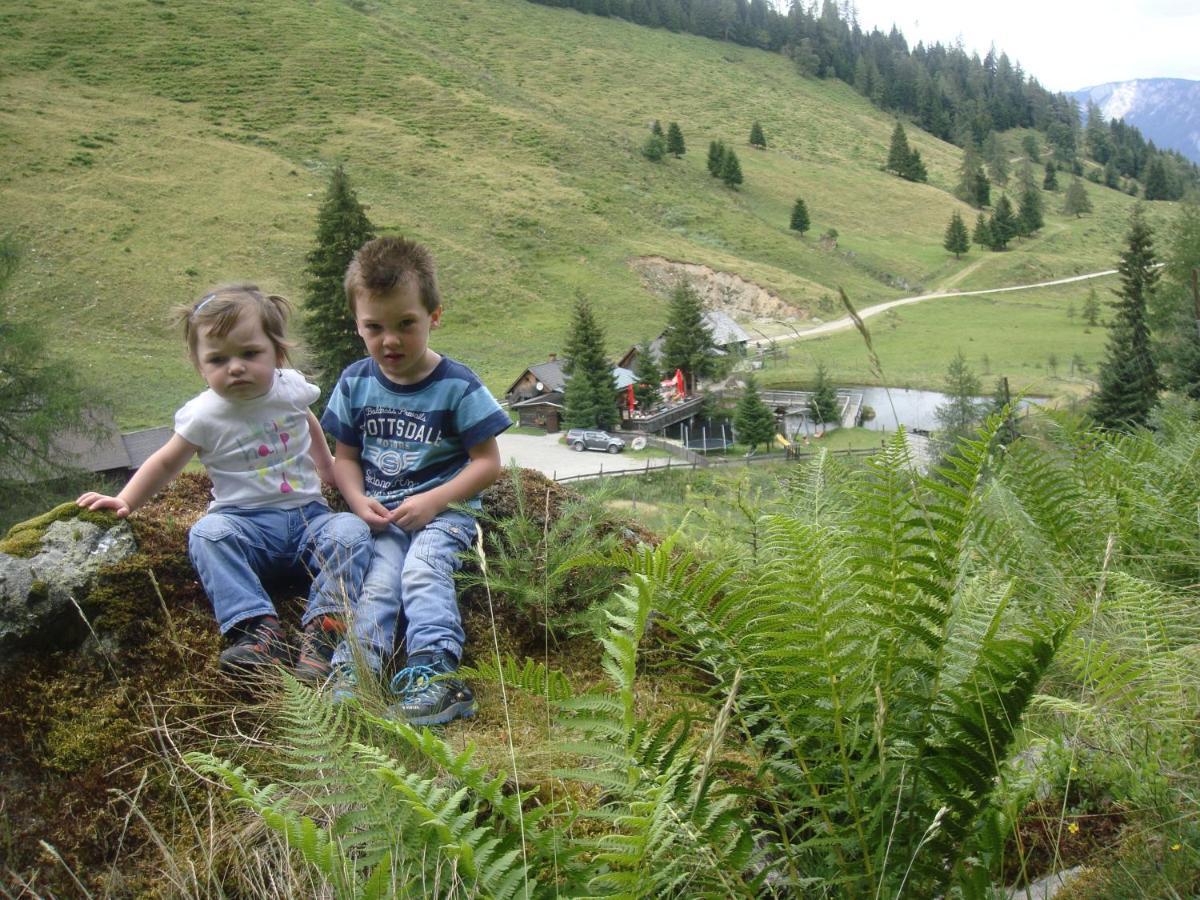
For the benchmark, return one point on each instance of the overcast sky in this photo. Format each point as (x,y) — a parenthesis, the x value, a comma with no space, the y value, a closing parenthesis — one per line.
(1064,44)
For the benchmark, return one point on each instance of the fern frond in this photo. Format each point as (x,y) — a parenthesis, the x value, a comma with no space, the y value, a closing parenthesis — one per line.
(532,678)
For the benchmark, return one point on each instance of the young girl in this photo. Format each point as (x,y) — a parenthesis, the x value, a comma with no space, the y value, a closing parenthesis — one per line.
(266,456)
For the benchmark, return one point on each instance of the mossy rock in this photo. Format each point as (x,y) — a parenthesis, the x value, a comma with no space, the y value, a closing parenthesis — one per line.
(25,538)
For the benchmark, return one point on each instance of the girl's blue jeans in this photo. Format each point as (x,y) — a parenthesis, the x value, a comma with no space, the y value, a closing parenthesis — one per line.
(234,549)
(410,585)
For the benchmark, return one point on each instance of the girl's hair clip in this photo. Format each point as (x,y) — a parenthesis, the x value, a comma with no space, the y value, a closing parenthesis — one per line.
(203,303)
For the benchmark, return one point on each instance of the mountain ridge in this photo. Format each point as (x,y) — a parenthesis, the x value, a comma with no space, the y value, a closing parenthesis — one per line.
(1165,110)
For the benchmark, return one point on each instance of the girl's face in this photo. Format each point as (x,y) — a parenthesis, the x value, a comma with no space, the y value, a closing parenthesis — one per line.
(240,365)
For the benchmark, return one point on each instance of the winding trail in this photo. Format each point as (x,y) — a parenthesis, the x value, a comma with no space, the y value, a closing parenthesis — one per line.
(846,322)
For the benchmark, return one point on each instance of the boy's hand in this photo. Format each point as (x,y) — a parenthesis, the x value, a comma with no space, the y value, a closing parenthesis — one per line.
(416,512)
(371,511)
(93,501)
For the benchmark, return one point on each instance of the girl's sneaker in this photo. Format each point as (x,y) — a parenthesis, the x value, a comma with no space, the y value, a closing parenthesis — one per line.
(429,695)
(258,643)
(317,643)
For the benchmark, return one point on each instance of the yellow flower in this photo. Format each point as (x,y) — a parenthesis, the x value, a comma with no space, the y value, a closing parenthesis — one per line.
(1073,828)
(1177,846)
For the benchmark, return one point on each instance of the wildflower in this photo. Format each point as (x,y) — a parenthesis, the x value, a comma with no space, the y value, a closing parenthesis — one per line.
(1177,846)
(1073,828)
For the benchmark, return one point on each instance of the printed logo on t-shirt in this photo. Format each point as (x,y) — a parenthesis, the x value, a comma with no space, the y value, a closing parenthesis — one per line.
(266,451)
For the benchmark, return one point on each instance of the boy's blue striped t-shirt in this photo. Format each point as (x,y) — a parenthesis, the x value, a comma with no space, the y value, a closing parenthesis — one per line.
(411,437)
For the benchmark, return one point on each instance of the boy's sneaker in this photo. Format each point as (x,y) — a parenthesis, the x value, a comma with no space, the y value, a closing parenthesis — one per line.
(428,695)
(317,643)
(342,684)
(259,643)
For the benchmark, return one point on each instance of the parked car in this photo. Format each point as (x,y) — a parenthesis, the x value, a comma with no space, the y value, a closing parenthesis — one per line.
(580,439)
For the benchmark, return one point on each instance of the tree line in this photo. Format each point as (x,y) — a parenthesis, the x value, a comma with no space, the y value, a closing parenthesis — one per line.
(957,97)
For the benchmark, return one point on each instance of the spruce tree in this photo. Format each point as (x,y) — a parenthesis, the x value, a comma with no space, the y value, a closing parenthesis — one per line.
(731,169)
(753,420)
(675,145)
(656,128)
(687,342)
(1129,381)
(1091,308)
(1076,202)
(800,221)
(1157,186)
(982,234)
(648,385)
(898,152)
(1029,213)
(823,404)
(1003,224)
(590,396)
(757,139)
(997,159)
(716,157)
(956,240)
(973,185)
(914,167)
(655,148)
(1050,180)
(963,409)
(329,330)
(1173,311)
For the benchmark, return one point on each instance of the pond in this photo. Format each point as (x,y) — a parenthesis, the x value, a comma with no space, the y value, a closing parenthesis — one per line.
(902,406)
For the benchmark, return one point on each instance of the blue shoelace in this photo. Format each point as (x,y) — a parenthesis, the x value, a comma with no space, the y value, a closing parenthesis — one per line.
(411,681)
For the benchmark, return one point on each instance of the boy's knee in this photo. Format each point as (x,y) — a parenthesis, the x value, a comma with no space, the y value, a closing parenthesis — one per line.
(440,545)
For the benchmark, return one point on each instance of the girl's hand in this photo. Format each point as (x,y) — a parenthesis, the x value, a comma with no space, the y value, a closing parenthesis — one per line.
(371,511)
(93,501)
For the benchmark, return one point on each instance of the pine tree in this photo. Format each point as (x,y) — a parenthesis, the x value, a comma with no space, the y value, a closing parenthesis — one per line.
(1050,181)
(675,145)
(982,233)
(329,330)
(716,158)
(1129,381)
(757,139)
(1029,214)
(914,167)
(1076,202)
(823,404)
(1157,187)
(973,185)
(956,240)
(646,390)
(590,397)
(898,152)
(731,170)
(687,342)
(656,128)
(1173,314)
(997,159)
(753,420)
(800,221)
(655,148)
(1003,224)
(962,409)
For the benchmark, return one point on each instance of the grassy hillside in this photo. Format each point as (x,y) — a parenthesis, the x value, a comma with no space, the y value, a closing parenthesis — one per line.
(152,149)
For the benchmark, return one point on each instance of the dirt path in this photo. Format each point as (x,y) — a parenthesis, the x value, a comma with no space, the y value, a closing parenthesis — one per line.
(845,322)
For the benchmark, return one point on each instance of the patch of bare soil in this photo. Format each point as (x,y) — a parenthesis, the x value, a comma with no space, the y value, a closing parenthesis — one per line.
(741,299)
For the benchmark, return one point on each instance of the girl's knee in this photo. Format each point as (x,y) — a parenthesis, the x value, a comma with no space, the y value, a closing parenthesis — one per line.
(212,527)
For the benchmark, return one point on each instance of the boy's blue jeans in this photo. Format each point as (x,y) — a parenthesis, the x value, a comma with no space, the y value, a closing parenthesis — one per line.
(233,549)
(410,583)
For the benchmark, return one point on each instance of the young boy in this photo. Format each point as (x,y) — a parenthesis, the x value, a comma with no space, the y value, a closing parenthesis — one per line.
(415,432)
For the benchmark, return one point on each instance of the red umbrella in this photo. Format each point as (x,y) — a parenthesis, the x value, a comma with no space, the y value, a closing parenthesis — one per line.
(680,386)
(629,397)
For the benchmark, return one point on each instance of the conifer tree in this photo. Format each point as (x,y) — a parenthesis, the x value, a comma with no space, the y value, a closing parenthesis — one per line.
(800,221)
(687,341)
(973,185)
(731,169)
(1129,381)
(898,152)
(329,330)
(646,390)
(753,420)
(997,159)
(963,408)
(1091,308)
(1157,187)
(1050,180)
(982,234)
(716,158)
(1076,202)
(656,128)
(655,148)
(675,145)
(956,240)
(757,139)
(914,167)
(1173,313)
(823,404)
(590,396)
(1003,224)
(1029,212)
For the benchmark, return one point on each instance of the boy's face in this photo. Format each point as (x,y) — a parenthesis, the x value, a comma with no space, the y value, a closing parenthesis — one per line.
(395,327)
(241,365)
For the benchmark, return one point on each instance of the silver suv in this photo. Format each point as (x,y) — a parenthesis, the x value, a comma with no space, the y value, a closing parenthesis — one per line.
(581,439)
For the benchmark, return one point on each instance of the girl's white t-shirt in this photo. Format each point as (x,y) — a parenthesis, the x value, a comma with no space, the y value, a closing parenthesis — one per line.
(256,451)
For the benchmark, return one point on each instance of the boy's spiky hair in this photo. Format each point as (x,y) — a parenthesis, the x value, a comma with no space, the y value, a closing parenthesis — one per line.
(222,308)
(380,265)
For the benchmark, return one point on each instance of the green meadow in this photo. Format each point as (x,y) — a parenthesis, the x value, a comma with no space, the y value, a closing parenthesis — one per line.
(153,149)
